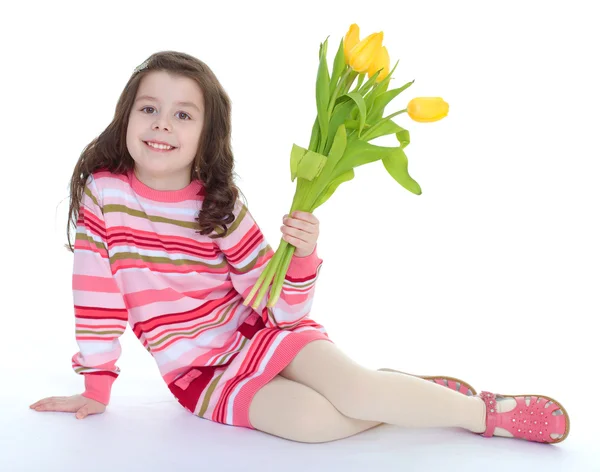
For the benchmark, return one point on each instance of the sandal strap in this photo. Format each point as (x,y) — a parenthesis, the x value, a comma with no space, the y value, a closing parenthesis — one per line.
(491,417)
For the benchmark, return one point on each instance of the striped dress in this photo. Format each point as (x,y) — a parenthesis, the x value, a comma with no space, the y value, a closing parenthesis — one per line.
(138,259)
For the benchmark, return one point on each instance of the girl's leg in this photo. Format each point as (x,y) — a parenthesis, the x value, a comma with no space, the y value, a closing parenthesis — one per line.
(294,411)
(385,397)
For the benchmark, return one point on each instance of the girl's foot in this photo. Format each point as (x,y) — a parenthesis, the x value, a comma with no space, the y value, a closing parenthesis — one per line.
(531,417)
(455,384)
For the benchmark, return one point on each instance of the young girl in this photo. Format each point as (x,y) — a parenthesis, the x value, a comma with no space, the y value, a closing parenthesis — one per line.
(164,243)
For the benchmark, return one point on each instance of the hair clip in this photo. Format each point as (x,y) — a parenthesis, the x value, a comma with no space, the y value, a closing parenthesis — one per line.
(142,66)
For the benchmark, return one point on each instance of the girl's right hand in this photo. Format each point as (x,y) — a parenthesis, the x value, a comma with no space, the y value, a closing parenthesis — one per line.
(78,404)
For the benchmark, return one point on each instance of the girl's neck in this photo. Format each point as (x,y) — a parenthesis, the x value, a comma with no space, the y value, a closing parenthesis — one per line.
(164,190)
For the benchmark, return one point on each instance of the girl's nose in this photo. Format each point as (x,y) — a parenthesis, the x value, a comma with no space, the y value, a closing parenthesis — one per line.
(161,124)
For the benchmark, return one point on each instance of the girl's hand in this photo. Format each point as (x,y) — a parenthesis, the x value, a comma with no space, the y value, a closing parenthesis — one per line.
(301,230)
(78,404)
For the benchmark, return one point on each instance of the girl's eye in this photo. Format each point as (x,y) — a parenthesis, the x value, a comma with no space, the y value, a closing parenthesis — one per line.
(178,114)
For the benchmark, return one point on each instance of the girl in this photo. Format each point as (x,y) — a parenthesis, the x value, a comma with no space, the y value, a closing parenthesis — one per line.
(164,243)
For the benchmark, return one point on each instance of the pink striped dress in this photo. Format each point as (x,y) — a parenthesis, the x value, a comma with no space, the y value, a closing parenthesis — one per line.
(139,260)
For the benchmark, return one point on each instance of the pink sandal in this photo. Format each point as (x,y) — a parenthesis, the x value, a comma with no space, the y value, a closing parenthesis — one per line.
(450,382)
(533,422)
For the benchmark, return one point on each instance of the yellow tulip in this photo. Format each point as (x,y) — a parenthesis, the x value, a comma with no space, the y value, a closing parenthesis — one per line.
(382,59)
(363,54)
(427,109)
(350,40)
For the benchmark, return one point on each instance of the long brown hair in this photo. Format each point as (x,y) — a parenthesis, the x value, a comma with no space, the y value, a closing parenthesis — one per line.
(213,164)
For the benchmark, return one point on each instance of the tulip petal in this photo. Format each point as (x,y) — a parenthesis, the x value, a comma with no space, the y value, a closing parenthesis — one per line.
(350,40)
(381,61)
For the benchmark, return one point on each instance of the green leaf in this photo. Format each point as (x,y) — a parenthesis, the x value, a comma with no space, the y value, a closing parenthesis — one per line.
(339,116)
(295,158)
(322,91)
(358,153)
(336,153)
(339,63)
(362,109)
(396,163)
(338,147)
(314,136)
(387,127)
(382,100)
(368,83)
(382,86)
(361,78)
(403,136)
(310,165)
(331,188)
(354,124)
(369,134)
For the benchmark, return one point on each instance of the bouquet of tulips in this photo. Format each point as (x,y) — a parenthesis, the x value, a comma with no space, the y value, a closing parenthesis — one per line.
(346,121)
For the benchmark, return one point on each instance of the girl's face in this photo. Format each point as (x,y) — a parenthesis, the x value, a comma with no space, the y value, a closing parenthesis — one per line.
(168,109)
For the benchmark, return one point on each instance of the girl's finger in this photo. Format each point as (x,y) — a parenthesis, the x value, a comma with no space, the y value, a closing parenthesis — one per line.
(302,227)
(43,401)
(54,406)
(297,243)
(82,412)
(298,234)
(306,216)
(299,223)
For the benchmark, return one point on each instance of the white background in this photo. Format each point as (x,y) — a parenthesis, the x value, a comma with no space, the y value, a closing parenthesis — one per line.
(492,274)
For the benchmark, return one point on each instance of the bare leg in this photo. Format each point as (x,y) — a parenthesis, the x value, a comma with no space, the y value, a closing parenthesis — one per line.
(385,397)
(294,411)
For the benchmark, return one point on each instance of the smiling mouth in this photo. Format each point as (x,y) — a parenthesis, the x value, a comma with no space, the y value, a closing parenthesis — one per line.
(159,147)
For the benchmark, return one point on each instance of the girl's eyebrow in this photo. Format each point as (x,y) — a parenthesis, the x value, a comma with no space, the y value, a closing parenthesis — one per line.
(183,104)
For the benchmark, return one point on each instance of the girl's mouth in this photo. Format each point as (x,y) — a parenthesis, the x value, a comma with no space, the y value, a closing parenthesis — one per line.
(159,147)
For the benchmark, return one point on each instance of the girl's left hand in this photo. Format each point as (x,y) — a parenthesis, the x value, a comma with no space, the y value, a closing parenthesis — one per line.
(301,230)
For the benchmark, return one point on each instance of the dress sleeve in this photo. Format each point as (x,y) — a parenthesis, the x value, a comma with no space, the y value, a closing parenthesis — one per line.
(100,311)
(247,253)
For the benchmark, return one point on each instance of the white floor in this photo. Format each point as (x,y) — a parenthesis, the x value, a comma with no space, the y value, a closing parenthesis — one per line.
(152,432)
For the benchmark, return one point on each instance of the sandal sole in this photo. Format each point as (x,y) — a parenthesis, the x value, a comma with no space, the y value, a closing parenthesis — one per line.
(433,377)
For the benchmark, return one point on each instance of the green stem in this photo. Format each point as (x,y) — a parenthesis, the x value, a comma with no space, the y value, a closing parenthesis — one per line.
(270,271)
(280,277)
(303,192)
(257,285)
(334,97)
(351,78)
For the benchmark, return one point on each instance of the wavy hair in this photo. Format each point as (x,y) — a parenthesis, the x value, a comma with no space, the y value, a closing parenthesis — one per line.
(213,163)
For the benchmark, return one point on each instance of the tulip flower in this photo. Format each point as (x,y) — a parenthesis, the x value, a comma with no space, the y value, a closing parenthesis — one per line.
(339,143)
(380,61)
(363,54)
(427,109)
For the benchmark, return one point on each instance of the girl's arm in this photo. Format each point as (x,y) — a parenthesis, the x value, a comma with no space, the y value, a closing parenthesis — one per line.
(247,253)
(100,311)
